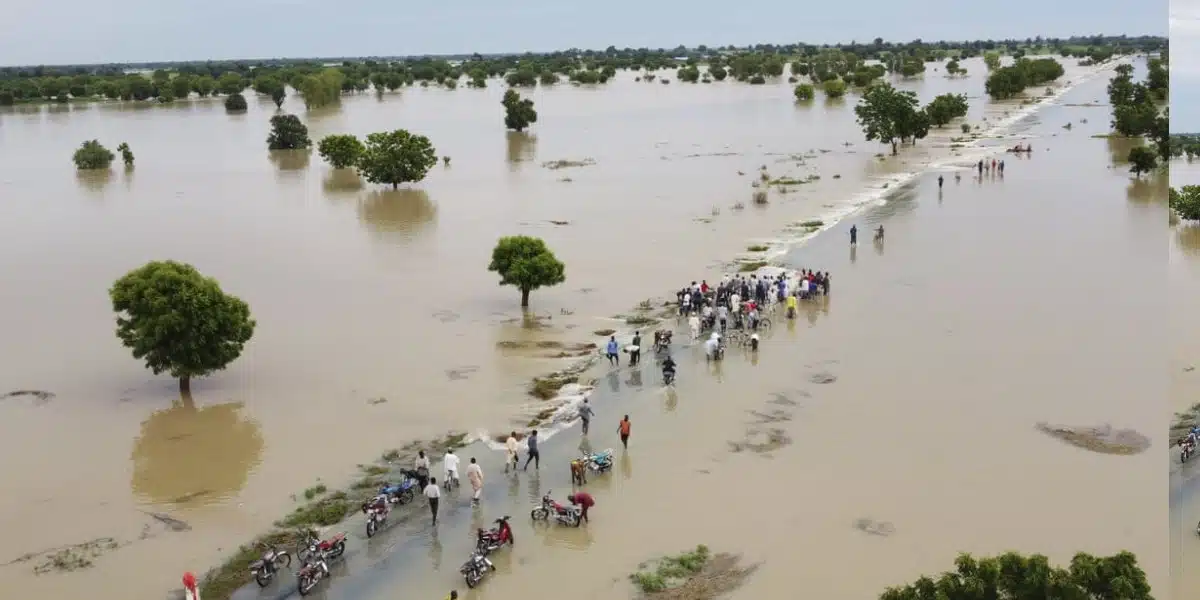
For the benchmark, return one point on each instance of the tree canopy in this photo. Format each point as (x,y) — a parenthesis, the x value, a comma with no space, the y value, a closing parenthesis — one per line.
(803,92)
(1142,160)
(396,157)
(518,112)
(946,108)
(179,321)
(235,103)
(1012,576)
(288,133)
(1006,82)
(92,155)
(126,154)
(527,264)
(1136,106)
(340,151)
(891,116)
(1185,201)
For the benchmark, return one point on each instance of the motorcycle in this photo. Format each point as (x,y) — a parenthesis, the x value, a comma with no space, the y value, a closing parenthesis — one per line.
(325,550)
(311,574)
(600,462)
(489,540)
(403,492)
(265,568)
(662,340)
(1188,449)
(668,376)
(565,515)
(377,510)
(475,568)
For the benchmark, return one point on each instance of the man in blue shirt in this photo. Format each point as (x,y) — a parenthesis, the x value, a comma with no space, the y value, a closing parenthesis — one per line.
(611,351)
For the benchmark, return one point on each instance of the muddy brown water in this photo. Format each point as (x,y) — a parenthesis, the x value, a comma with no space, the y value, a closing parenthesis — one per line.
(364,294)
(1183,278)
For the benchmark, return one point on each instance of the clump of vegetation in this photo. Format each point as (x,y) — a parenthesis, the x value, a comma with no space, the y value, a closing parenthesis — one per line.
(752,266)
(1138,109)
(1185,202)
(834,88)
(288,133)
(756,248)
(327,511)
(315,491)
(814,224)
(965,127)
(604,332)
(91,155)
(396,157)
(235,103)
(518,112)
(1006,82)
(1011,575)
(890,116)
(1142,160)
(547,387)
(804,92)
(341,151)
(126,155)
(554,165)
(670,571)
(946,108)
(640,320)
(759,197)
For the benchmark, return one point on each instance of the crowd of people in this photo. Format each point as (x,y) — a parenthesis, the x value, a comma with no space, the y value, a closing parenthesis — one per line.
(739,302)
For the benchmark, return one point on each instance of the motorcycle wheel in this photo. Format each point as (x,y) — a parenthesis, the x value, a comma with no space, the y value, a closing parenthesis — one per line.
(576,521)
(539,514)
(371,526)
(406,496)
(263,578)
(472,578)
(283,560)
(338,550)
(306,584)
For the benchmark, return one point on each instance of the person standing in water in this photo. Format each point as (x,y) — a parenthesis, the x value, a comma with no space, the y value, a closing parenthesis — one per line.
(475,476)
(434,493)
(940,181)
(635,353)
(854,235)
(513,456)
(534,456)
(611,352)
(623,430)
(585,415)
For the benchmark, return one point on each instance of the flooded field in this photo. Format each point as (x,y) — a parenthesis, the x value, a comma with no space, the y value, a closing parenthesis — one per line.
(1184,284)
(378,324)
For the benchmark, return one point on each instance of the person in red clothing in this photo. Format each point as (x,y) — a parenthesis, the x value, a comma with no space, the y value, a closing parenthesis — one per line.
(583,500)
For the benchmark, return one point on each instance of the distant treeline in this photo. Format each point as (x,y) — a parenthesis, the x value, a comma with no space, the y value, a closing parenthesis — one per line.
(167,82)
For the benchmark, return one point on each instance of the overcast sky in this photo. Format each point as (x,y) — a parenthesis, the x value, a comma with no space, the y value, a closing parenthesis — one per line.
(1185,72)
(85,31)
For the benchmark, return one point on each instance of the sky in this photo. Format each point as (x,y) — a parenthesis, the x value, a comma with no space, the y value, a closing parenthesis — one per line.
(86,31)
(1185,72)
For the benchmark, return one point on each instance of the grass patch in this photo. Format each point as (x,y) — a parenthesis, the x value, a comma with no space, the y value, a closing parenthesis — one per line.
(695,575)
(604,332)
(794,181)
(315,491)
(390,456)
(752,266)
(812,224)
(640,320)
(1184,421)
(547,387)
(759,197)
(322,513)
(670,571)
(756,248)
(223,581)
(565,164)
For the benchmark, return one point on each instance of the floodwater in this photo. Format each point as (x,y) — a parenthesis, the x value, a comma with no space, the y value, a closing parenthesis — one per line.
(976,322)
(1184,285)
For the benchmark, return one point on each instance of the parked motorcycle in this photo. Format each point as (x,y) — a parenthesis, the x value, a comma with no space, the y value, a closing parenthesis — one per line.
(565,515)
(403,492)
(377,510)
(265,568)
(1187,449)
(313,571)
(328,549)
(488,540)
(475,568)
(600,462)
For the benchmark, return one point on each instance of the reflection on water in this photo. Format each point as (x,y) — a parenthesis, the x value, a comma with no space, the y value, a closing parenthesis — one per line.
(290,160)
(93,180)
(195,456)
(1152,188)
(1119,147)
(403,212)
(614,381)
(435,551)
(520,146)
(1188,238)
(341,182)
(626,465)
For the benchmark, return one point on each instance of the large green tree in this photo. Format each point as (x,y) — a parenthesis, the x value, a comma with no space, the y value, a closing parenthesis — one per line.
(288,133)
(235,103)
(396,157)
(1185,201)
(889,115)
(92,155)
(946,108)
(518,112)
(527,264)
(1012,576)
(179,321)
(340,151)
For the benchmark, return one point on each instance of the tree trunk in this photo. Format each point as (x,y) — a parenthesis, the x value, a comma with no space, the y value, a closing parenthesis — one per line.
(524,297)
(893,147)
(185,385)
(395,185)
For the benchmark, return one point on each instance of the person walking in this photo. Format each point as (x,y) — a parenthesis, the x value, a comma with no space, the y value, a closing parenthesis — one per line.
(940,181)
(421,466)
(534,456)
(434,494)
(475,476)
(623,430)
(585,415)
(854,235)
(512,448)
(450,466)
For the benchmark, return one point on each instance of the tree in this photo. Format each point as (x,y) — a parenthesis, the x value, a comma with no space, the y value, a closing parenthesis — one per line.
(953,69)
(126,155)
(396,157)
(1185,201)
(946,108)
(179,321)
(887,114)
(526,263)
(689,74)
(288,133)
(278,95)
(181,86)
(518,112)
(235,103)
(1142,160)
(91,155)
(322,89)
(991,60)
(803,92)
(203,85)
(834,88)
(1012,576)
(340,151)
(231,83)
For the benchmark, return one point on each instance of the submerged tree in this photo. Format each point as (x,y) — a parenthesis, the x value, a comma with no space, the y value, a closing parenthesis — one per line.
(235,103)
(341,151)
(890,115)
(946,108)
(396,157)
(803,91)
(1012,576)
(126,155)
(92,155)
(179,321)
(1142,160)
(1185,201)
(526,263)
(288,133)
(518,112)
